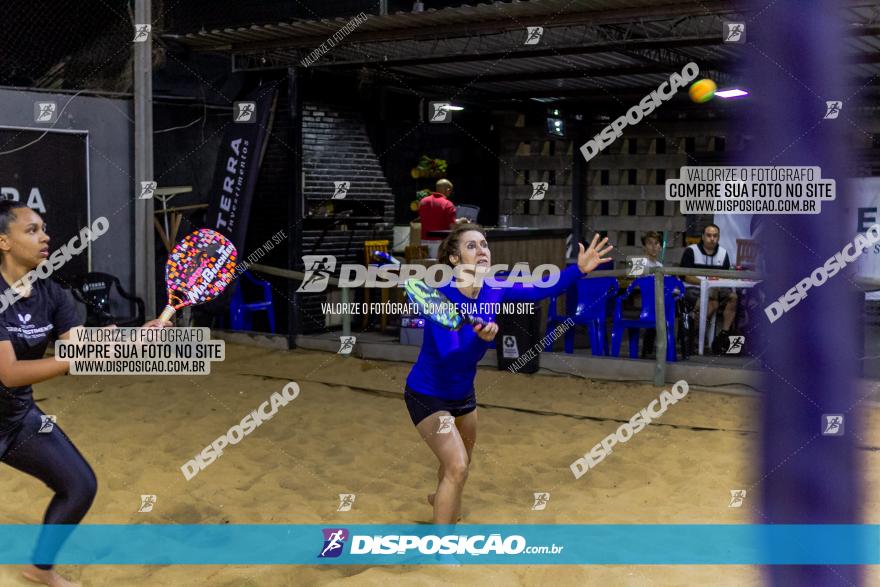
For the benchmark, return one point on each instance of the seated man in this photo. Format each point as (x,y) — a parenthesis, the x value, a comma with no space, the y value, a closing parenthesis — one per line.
(708,254)
(652,244)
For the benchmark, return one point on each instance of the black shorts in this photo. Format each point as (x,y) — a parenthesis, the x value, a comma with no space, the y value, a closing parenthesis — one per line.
(719,294)
(421,406)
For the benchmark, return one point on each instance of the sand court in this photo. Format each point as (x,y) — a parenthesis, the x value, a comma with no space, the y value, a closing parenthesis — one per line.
(303,180)
(348,433)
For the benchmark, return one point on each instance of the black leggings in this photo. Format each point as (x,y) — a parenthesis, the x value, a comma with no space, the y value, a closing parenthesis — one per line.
(52,458)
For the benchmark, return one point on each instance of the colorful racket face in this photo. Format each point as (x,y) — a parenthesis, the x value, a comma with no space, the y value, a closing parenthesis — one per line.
(432,304)
(436,307)
(199,268)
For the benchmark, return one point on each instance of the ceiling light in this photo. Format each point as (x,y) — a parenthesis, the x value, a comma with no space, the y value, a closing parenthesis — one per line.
(732,93)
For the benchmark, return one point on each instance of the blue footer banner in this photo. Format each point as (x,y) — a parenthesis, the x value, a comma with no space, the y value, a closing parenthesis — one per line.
(160,544)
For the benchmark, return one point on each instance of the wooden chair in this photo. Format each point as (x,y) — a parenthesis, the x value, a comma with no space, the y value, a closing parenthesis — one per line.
(371,247)
(415,253)
(171,217)
(746,253)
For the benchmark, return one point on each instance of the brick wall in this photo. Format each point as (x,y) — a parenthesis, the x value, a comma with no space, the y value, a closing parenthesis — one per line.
(529,154)
(626,194)
(336,147)
(625,183)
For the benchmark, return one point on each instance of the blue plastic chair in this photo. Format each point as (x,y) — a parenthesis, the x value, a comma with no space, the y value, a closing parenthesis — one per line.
(241,313)
(593,297)
(673,289)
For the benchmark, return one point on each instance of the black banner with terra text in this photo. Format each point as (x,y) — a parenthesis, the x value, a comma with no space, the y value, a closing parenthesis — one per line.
(238,165)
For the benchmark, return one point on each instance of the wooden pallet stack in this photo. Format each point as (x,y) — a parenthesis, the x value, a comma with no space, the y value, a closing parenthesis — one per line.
(529,154)
(626,193)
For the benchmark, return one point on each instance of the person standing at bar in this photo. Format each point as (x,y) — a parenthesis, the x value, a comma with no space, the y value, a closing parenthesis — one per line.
(437,212)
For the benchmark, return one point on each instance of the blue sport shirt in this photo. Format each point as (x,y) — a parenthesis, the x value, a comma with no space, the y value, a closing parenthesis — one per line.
(447,363)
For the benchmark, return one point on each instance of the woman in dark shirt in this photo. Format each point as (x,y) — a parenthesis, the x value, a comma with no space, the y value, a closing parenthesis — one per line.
(45,312)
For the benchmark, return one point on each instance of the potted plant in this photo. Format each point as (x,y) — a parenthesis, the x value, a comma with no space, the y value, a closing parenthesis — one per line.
(414,205)
(429,167)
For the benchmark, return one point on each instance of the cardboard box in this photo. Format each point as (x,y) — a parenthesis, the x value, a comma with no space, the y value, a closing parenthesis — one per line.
(415,233)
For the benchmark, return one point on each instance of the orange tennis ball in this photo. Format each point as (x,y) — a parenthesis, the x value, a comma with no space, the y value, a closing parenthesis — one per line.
(702,91)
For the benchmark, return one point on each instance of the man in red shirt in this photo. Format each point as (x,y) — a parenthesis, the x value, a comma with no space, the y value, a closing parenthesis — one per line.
(436,212)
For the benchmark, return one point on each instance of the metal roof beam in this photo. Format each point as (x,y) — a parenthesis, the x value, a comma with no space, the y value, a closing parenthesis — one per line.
(568,73)
(470,28)
(225,40)
(546,52)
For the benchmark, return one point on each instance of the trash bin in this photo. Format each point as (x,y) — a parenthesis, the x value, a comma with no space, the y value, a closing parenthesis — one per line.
(518,335)
(412,330)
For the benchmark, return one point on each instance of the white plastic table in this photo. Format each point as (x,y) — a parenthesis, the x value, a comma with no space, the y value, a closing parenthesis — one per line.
(707,284)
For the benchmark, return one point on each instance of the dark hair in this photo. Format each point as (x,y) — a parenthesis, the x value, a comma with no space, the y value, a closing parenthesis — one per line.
(652,234)
(450,245)
(711,226)
(6,215)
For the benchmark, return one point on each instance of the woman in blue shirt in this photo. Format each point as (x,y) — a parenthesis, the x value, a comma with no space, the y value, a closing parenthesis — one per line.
(440,386)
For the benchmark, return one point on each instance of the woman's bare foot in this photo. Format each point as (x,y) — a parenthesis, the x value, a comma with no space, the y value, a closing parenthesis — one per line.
(46,577)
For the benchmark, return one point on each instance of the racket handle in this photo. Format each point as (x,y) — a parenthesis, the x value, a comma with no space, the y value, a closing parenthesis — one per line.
(474,320)
(167,313)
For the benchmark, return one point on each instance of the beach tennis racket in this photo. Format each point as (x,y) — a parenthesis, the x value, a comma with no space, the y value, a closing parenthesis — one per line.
(436,307)
(198,270)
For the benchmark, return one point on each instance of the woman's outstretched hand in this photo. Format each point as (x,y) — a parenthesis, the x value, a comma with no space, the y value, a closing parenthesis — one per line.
(592,257)
(157,323)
